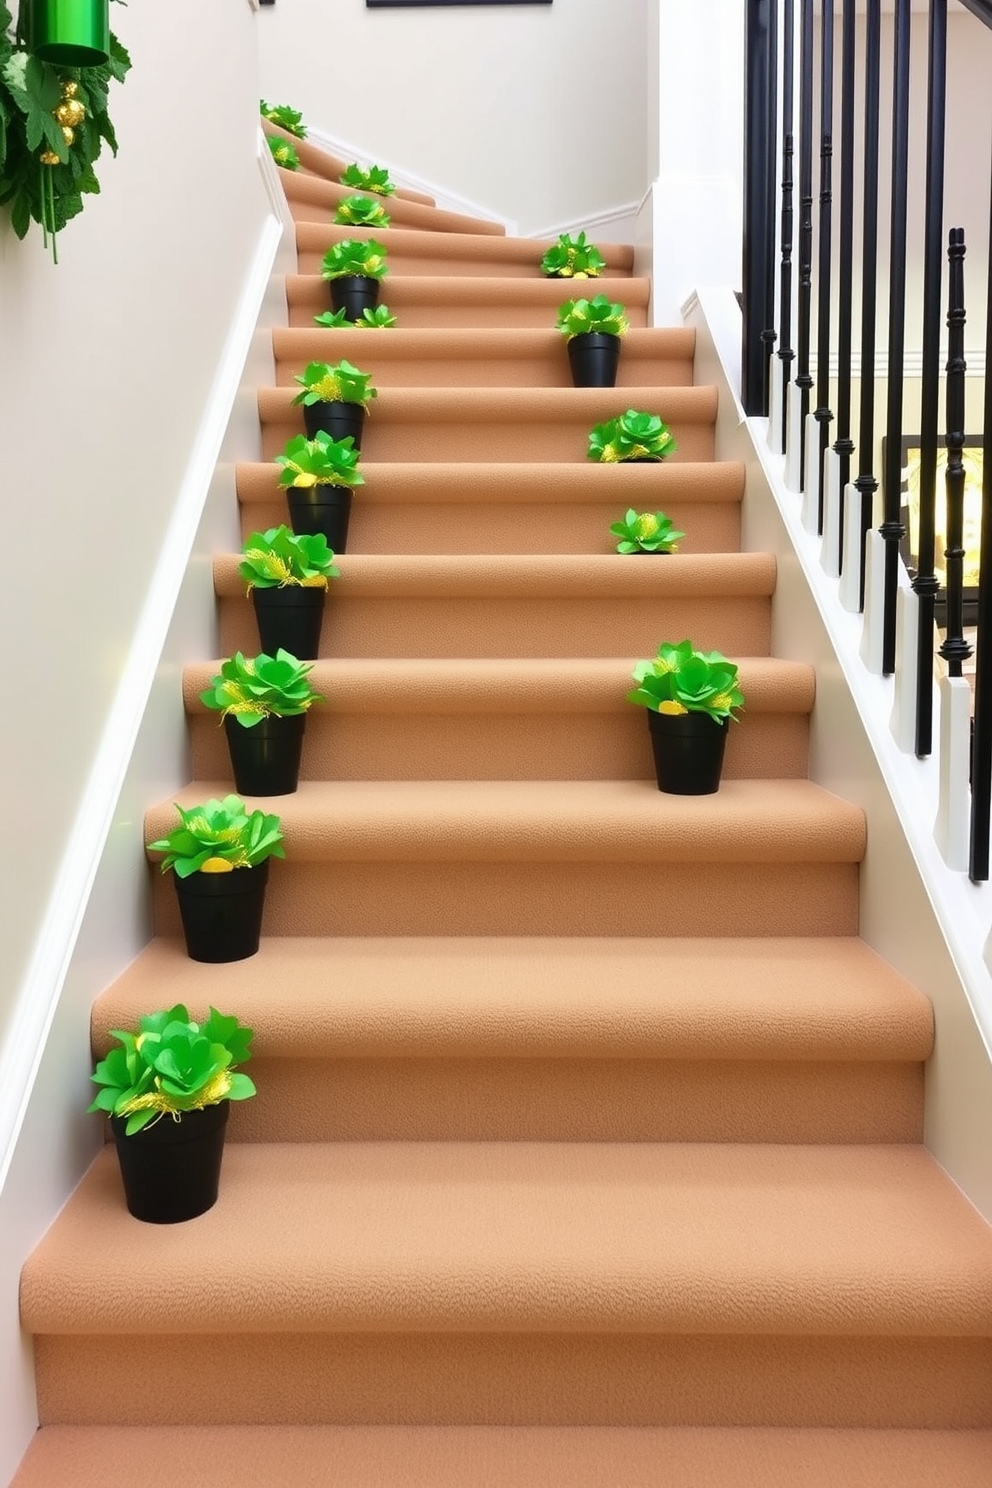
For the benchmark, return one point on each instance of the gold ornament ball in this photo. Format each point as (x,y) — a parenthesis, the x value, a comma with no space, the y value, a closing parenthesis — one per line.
(70,113)
(68,134)
(70,89)
(48,157)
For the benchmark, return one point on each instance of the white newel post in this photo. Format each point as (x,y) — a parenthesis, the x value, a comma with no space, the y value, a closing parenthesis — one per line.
(903,720)
(871,638)
(850,579)
(793,439)
(952,826)
(775,406)
(830,550)
(697,149)
(811,475)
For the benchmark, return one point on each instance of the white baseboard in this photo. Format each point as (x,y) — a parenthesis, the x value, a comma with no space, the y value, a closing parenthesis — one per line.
(612,224)
(450,201)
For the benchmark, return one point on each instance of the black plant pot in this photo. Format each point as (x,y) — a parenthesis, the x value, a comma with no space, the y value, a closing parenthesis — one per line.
(171,1169)
(325,509)
(336,419)
(688,752)
(266,757)
(222,912)
(594,357)
(291,618)
(354,293)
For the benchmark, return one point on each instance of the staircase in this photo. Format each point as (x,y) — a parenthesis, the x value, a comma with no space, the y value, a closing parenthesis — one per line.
(588,1144)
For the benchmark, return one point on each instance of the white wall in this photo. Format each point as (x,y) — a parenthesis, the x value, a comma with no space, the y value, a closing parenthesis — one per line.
(538,112)
(120,370)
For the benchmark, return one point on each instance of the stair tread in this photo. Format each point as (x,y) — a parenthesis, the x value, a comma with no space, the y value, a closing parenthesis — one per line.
(316,237)
(321,162)
(526,575)
(458,343)
(529,1237)
(524,684)
(466,482)
(508,1457)
(304,191)
(400,290)
(597,821)
(723,999)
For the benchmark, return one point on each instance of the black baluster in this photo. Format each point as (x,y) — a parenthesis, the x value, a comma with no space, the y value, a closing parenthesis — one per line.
(844,444)
(925,581)
(866,483)
(981,750)
(822,412)
(786,355)
(954,648)
(759,204)
(804,379)
(892,529)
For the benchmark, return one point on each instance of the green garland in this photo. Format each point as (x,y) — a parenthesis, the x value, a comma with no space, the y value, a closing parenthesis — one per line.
(30,91)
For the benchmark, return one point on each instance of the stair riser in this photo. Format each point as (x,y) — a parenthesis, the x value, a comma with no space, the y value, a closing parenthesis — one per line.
(535,898)
(575,1100)
(505,746)
(458,1379)
(549,368)
(312,199)
(440,438)
(414,314)
(470,527)
(477,627)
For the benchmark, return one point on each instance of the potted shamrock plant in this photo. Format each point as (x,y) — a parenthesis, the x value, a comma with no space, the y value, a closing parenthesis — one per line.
(264,702)
(319,475)
(287,576)
(219,857)
(287,118)
(379,318)
(573,258)
(631,436)
(646,532)
(361,211)
(167,1090)
(354,270)
(592,330)
(334,399)
(690,696)
(284,153)
(374,178)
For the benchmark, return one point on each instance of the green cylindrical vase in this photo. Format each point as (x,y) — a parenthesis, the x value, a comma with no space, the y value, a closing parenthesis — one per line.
(70,33)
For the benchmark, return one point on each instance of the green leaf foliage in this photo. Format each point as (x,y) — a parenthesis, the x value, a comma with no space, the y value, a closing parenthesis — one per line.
(573,258)
(342,383)
(681,679)
(284,154)
(631,436)
(374,178)
(646,532)
(171,1065)
(379,318)
(321,461)
(576,317)
(287,118)
(362,256)
(256,688)
(30,90)
(219,832)
(279,556)
(361,211)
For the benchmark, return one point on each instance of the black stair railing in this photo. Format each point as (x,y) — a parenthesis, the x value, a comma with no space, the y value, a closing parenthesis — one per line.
(869,127)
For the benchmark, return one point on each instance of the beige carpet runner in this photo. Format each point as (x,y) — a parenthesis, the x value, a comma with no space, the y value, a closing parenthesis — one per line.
(587,1152)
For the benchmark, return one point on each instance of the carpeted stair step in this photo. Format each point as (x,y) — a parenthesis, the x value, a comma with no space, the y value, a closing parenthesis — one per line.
(500,605)
(507,720)
(603,857)
(538,508)
(508,1457)
(512,424)
(416,251)
(524,1283)
(469,358)
(309,196)
(317,161)
(434,300)
(558,1040)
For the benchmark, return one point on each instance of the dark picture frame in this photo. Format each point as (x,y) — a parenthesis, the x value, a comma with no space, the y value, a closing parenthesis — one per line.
(973,455)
